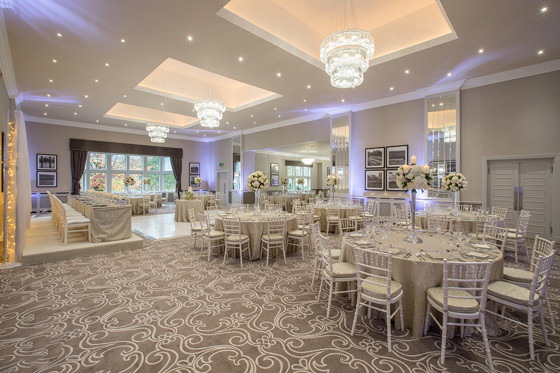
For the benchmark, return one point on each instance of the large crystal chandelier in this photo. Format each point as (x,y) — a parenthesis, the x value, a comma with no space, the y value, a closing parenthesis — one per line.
(209,111)
(308,161)
(346,54)
(157,133)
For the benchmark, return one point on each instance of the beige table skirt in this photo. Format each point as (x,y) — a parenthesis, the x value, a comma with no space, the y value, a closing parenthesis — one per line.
(417,276)
(182,206)
(255,230)
(468,220)
(321,210)
(205,199)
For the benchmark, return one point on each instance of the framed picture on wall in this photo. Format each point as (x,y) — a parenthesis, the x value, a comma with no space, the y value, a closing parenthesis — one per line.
(274,180)
(46,179)
(194,168)
(391,180)
(274,168)
(375,157)
(191,180)
(46,161)
(374,179)
(397,155)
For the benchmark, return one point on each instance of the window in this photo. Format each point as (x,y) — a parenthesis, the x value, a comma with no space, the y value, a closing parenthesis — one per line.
(294,173)
(106,172)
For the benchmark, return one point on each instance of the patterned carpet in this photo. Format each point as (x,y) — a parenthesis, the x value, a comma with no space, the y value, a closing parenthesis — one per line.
(162,309)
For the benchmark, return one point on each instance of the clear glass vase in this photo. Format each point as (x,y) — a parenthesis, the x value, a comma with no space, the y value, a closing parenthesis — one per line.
(257,207)
(412,238)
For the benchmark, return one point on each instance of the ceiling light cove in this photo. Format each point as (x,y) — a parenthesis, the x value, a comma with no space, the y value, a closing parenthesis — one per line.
(146,115)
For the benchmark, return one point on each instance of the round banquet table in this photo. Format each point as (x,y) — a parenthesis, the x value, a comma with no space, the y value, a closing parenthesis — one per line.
(136,203)
(469,220)
(321,210)
(418,273)
(182,206)
(256,226)
(205,198)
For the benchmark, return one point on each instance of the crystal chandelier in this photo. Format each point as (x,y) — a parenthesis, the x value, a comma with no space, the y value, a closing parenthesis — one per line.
(346,54)
(308,161)
(209,111)
(157,133)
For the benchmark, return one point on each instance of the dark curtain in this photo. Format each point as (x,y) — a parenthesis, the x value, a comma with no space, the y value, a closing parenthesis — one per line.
(177,167)
(78,160)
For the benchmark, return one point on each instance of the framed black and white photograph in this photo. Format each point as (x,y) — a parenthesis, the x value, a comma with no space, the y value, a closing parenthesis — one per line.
(274,168)
(374,179)
(274,180)
(391,179)
(194,168)
(191,180)
(397,155)
(46,179)
(375,157)
(46,162)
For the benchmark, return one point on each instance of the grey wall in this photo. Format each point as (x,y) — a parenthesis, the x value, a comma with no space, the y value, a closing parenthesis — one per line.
(263,161)
(54,139)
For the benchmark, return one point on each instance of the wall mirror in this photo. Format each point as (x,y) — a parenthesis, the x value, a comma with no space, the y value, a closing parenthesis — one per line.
(442,139)
(340,151)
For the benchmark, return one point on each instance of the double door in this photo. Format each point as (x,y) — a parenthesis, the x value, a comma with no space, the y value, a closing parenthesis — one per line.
(522,185)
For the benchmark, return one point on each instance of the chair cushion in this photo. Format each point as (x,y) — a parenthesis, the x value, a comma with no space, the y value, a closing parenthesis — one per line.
(333,218)
(272,237)
(517,275)
(514,235)
(379,291)
(215,234)
(236,237)
(196,228)
(297,232)
(77,220)
(454,304)
(510,292)
(341,269)
(335,253)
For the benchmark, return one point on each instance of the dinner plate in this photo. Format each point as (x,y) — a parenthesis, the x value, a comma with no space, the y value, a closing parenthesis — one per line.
(356,235)
(481,246)
(473,254)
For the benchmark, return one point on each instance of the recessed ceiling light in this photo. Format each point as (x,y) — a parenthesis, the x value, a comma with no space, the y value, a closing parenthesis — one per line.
(46,105)
(79,105)
(304,100)
(308,87)
(481,50)
(540,52)
(275,108)
(219,131)
(448,74)
(55,61)
(279,74)
(189,38)
(254,122)
(123,41)
(441,104)
(196,131)
(251,115)
(107,64)
(279,116)
(126,124)
(305,109)
(342,100)
(161,103)
(50,80)
(240,59)
(407,71)
(59,35)
(124,96)
(391,88)
(97,80)
(227,122)
(48,95)
(544,9)
(174,131)
(75,113)
(97,120)
(44,113)
(204,135)
(86,96)
(233,127)
(433,105)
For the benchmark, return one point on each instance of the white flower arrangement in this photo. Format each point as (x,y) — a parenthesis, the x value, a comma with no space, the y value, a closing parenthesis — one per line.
(284,181)
(454,182)
(257,181)
(197,180)
(147,181)
(300,181)
(414,177)
(333,180)
(129,180)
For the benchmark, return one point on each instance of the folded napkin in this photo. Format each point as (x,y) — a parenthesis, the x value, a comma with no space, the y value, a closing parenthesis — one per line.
(477,255)
(356,235)
(391,250)
(438,256)
(363,242)
(481,246)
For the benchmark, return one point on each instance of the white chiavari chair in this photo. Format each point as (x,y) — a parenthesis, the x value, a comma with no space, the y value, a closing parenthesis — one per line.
(274,238)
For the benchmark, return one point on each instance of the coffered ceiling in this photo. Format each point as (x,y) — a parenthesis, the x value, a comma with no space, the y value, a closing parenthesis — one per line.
(120,64)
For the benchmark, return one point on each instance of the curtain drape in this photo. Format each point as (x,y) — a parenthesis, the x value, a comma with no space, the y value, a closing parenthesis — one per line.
(78,159)
(23,185)
(177,167)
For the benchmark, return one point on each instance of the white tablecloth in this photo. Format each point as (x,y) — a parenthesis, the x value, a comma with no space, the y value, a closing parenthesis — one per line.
(182,206)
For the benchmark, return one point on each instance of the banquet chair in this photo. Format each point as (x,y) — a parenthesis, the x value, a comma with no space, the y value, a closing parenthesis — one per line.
(281,201)
(495,235)
(145,204)
(349,223)
(524,299)
(210,238)
(175,197)
(334,273)
(376,289)
(437,222)
(402,216)
(517,235)
(370,211)
(71,222)
(465,208)
(299,237)
(196,227)
(219,199)
(463,296)
(333,217)
(212,212)
(542,247)
(164,199)
(483,220)
(274,238)
(500,211)
(317,263)
(312,200)
(271,206)
(234,239)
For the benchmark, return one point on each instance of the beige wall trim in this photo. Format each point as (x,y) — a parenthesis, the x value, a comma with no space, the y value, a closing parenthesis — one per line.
(292,155)
(6,59)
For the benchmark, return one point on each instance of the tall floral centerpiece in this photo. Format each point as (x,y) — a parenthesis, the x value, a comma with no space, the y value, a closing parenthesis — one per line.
(128,182)
(256,182)
(333,181)
(147,182)
(300,183)
(454,182)
(411,178)
(284,182)
(197,181)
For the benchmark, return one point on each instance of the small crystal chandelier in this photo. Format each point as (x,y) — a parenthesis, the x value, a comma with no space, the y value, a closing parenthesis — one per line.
(209,111)
(157,133)
(308,161)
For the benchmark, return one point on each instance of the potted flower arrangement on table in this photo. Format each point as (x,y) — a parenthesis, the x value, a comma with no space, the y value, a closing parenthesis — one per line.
(412,178)
(189,196)
(128,182)
(333,181)
(147,182)
(284,181)
(300,182)
(454,182)
(256,182)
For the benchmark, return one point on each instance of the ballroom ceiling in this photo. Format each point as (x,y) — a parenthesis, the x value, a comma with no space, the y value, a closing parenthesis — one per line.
(117,64)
